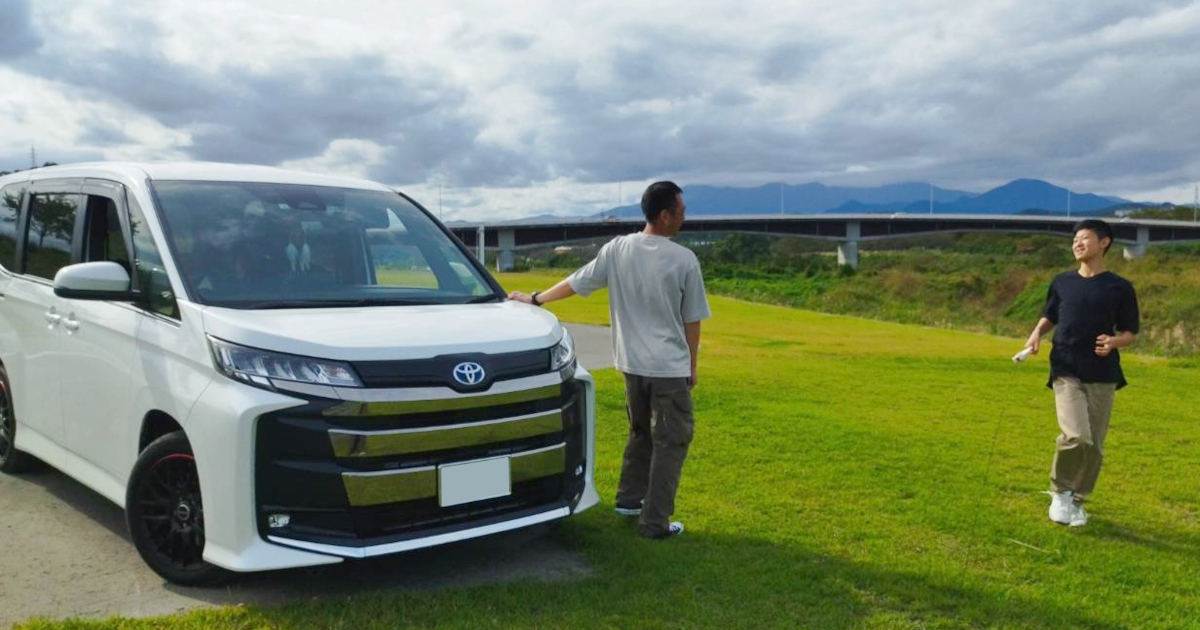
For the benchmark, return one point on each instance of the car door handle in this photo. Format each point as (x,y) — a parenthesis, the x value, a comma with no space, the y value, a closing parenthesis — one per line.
(71,324)
(53,318)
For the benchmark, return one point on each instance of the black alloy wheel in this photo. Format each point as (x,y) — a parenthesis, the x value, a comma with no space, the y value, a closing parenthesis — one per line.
(12,461)
(165,513)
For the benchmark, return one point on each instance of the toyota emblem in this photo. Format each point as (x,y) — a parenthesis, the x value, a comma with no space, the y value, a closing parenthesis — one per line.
(469,373)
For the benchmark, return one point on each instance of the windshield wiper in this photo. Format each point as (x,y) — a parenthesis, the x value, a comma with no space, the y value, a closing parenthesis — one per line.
(483,298)
(388,302)
(255,306)
(282,304)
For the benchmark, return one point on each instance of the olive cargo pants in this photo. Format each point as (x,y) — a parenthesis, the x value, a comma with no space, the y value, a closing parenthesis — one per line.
(660,430)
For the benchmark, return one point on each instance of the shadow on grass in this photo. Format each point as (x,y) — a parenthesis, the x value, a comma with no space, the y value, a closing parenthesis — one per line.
(699,580)
(531,579)
(1167,543)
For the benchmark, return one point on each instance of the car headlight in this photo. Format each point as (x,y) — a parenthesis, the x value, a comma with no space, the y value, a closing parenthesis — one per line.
(263,368)
(562,356)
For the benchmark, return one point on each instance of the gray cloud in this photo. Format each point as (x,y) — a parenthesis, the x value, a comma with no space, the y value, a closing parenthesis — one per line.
(16,23)
(294,112)
(1095,97)
(787,62)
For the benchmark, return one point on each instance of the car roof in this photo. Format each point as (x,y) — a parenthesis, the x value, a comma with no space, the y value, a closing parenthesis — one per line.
(200,171)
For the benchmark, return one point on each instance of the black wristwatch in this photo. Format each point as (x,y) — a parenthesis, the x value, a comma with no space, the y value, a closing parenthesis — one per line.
(533,298)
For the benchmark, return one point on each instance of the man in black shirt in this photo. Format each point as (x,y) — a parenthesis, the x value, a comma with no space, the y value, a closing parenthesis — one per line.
(1095,312)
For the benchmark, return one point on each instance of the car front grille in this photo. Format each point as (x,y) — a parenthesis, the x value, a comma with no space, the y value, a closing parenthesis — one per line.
(366,473)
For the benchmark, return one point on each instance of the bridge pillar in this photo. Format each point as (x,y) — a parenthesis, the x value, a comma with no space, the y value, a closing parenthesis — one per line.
(848,249)
(479,245)
(1138,249)
(506,242)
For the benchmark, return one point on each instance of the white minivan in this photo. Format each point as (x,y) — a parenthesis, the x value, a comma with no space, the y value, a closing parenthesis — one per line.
(272,369)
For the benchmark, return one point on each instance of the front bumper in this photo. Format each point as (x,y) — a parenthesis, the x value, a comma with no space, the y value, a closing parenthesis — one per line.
(359,478)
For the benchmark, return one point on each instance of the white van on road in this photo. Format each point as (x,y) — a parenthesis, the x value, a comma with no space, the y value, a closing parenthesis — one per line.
(272,369)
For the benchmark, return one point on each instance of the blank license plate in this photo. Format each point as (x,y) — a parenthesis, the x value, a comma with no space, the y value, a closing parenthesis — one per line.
(473,481)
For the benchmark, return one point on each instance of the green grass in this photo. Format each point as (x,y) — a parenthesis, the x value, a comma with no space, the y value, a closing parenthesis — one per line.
(983,283)
(849,473)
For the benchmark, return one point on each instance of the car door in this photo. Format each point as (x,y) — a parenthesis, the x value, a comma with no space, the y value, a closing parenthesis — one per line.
(100,342)
(48,233)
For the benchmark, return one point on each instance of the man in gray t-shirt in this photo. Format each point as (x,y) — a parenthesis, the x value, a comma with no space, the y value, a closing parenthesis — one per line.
(656,302)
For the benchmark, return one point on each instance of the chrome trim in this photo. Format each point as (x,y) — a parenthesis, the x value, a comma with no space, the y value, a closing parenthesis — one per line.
(414,404)
(308,389)
(380,473)
(409,484)
(390,486)
(399,394)
(544,449)
(348,443)
(420,543)
(538,464)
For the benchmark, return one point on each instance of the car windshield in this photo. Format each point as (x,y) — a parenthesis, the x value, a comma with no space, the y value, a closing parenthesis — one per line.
(255,246)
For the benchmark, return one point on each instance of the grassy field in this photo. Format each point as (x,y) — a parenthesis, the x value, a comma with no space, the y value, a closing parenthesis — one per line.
(977,283)
(849,473)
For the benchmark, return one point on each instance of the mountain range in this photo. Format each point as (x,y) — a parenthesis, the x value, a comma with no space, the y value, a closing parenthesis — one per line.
(1022,196)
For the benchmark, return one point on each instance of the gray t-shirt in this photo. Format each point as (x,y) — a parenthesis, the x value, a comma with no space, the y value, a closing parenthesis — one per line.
(654,288)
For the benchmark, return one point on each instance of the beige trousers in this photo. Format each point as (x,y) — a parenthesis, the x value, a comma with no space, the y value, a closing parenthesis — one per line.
(660,430)
(1083,414)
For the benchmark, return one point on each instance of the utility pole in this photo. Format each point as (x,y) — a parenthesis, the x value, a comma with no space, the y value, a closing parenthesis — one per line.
(32,158)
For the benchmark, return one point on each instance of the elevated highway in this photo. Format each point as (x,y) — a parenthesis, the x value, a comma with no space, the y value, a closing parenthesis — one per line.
(844,230)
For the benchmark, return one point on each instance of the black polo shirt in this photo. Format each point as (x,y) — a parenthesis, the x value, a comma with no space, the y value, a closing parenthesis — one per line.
(1083,309)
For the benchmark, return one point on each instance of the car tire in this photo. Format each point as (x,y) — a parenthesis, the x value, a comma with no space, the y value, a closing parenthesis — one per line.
(12,461)
(165,515)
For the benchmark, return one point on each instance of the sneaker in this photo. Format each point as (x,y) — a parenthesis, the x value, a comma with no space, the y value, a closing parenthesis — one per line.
(674,529)
(628,510)
(1061,507)
(1078,515)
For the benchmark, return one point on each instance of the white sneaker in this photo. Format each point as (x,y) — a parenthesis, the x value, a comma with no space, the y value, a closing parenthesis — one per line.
(1078,515)
(1061,507)
(674,529)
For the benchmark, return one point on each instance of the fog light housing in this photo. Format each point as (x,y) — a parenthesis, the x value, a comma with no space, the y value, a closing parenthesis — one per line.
(275,521)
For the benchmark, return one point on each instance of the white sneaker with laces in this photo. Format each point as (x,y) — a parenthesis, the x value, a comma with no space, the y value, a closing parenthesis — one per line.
(674,529)
(1078,515)
(1061,507)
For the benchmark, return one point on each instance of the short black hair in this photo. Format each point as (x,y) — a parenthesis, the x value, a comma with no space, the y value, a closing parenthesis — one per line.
(1100,228)
(659,196)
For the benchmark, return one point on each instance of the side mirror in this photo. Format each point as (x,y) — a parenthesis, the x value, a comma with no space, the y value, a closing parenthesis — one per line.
(94,281)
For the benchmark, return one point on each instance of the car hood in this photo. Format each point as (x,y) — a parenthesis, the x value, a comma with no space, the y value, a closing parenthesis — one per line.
(382,333)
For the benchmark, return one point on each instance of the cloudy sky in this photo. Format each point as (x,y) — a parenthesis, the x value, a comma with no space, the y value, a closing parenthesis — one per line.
(531,107)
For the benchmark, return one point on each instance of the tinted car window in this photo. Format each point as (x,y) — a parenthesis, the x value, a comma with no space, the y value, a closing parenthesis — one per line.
(250,245)
(152,275)
(10,207)
(48,239)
